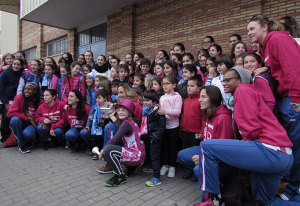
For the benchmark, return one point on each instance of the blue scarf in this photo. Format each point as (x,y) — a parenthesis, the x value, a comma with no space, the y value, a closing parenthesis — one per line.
(148,110)
(46,80)
(89,97)
(96,128)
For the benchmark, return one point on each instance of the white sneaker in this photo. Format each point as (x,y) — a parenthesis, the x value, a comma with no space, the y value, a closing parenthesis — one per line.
(164,170)
(171,173)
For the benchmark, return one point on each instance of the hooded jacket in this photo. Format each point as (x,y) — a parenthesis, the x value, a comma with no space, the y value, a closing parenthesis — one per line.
(264,84)
(54,113)
(16,108)
(220,126)
(281,53)
(172,104)
(255,121)
(29,77)
(9,81)
(191,118)
(138,109)
(70,118)
(78,83)
(62,86)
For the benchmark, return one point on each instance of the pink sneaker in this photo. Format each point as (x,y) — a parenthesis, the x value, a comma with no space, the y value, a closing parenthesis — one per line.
(209,202)
(206,203)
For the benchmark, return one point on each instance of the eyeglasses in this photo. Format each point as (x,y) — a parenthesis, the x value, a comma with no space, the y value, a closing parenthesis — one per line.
(206,42)
(227,80)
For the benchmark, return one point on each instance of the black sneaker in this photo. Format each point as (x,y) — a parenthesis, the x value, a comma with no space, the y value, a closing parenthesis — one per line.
(194,178)
(130,170)
(24,150)
(45,146)
(187,174)
(115,180)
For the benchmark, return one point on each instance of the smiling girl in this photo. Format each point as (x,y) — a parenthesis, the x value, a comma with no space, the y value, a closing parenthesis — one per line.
(22,113)
(264,82)
(88,56)
(281,53)
(133,150)
(171,104)
(34,75)
(76,79)
(9,81)
(47,115)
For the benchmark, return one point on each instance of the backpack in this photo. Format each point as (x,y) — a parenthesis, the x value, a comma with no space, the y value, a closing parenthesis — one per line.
(11,141)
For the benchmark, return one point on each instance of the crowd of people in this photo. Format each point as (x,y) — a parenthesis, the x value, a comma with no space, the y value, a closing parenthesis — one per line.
(216,113)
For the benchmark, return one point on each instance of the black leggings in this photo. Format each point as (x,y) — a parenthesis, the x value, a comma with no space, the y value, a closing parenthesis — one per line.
(5,130)
(112,154)
(169,146)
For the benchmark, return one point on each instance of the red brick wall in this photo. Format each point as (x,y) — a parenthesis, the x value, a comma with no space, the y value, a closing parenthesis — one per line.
(158,24)
(277,8)
(36,35)
(50,33)
(120,36)
(29,34)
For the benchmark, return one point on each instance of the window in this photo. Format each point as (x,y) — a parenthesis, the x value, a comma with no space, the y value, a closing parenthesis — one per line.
(93,35)
(57,47)
(84,38)
(30,54)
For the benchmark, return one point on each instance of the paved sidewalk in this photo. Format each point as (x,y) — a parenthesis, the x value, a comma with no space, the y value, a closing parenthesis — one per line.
(56,177)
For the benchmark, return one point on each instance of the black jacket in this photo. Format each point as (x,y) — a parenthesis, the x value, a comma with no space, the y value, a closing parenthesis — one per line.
(183,90)
(9,81)
(156,125)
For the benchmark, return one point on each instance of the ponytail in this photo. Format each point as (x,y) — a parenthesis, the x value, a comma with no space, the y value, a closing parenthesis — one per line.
(272,24)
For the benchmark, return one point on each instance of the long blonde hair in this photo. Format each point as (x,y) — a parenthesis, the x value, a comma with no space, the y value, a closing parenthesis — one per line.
(130,92)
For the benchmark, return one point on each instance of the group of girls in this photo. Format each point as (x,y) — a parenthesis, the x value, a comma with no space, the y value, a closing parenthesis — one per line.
(138,112)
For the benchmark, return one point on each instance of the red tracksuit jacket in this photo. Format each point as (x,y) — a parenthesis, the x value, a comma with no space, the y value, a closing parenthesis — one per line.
(255,121)
(70,118)
(16,108)
(281,53)
(54,113)
(220,126)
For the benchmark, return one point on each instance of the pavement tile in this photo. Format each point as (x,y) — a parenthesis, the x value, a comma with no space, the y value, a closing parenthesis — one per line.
(56,177)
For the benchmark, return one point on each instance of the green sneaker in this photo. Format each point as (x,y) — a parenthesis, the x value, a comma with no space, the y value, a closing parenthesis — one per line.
(153,182)
(115,180)
(147,170)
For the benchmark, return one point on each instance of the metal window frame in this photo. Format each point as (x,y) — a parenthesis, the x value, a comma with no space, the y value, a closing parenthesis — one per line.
(62,42)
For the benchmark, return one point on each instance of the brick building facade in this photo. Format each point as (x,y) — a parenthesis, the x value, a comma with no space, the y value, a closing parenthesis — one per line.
(158,24)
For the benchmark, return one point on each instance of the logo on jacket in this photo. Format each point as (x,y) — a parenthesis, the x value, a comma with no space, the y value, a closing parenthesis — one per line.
(266,59)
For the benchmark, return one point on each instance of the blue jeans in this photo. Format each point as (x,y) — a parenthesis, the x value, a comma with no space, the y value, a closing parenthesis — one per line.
(267,166)
(291,122)
(109,131)
(185,156)
(44,134)
(72,135)
(86,136)
(23,131)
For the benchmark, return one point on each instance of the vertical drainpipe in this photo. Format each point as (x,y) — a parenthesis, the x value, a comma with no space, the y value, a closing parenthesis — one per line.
(133,19)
